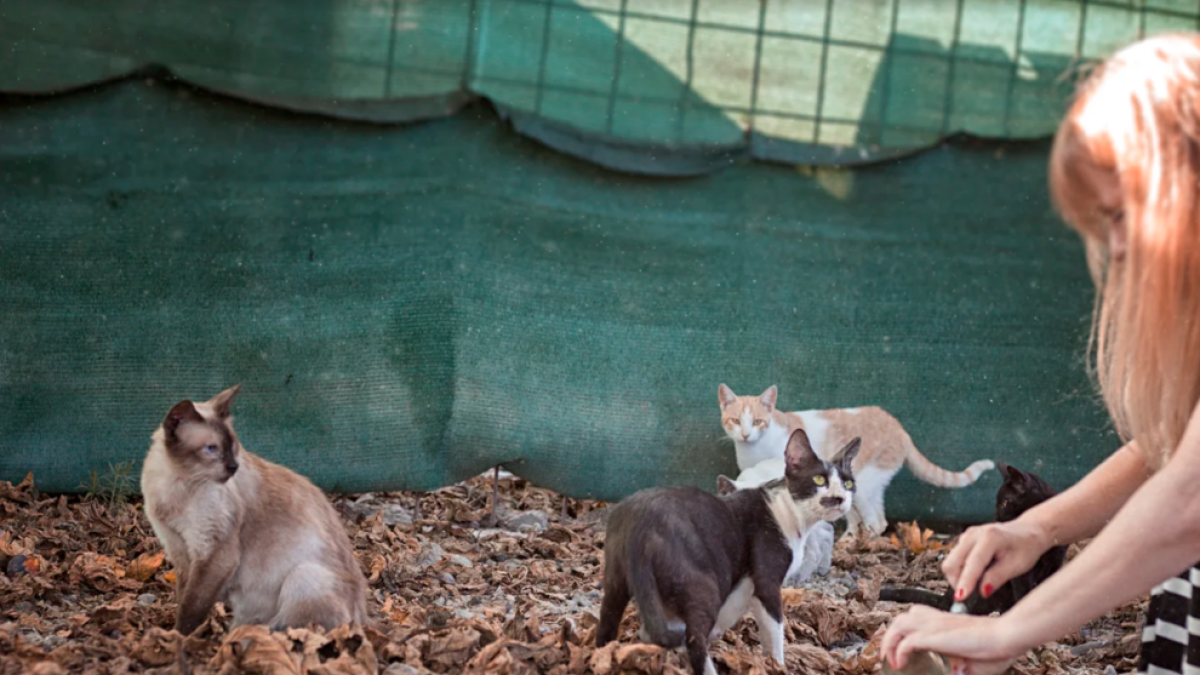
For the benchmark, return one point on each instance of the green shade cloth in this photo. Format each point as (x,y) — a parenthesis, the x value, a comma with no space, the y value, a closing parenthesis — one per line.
(408,306)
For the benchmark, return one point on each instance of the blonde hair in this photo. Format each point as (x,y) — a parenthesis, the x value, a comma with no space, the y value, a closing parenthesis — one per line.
(1137,118)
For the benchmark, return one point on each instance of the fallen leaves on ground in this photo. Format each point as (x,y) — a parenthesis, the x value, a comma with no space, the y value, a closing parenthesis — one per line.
(913,538)
(86,588)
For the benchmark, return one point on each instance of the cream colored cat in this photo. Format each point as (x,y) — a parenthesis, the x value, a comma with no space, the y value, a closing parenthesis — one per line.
(243,530)
(760,432)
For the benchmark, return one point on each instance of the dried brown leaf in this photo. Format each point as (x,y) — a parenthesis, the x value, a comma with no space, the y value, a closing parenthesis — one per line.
(158,647)
(255,650)
(144,566)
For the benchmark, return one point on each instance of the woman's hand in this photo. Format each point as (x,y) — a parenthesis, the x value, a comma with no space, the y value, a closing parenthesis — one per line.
(978,644)
(987,556)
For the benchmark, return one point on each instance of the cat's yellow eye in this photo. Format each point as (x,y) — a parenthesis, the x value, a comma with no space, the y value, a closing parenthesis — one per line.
(760,423)
(849,485)
(819,480)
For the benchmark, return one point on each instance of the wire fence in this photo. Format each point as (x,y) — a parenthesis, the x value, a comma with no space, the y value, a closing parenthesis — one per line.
(872,76)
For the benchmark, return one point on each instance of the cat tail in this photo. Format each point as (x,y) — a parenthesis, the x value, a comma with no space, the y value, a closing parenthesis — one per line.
(650,608)
(918,596)
(933,474)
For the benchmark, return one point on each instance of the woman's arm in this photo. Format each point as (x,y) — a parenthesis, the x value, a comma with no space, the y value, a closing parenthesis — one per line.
(1086,507)
(1005,550)
(1156,535)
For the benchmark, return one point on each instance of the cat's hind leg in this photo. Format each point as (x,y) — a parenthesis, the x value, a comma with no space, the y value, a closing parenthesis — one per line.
(853,522)
(700,621)
(612,609)
(868,498)
(309,595)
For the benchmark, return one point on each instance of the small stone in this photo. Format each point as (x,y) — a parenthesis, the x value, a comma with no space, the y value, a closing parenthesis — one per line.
(70,599)
(394,514)
(16,566)
(448,579)
(1109,670)
(23,607)
(522,521)
(147,599)
(53,642)
(430,555)
(461,561)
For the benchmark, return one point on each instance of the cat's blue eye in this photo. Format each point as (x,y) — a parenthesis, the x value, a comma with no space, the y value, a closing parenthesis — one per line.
(211,449)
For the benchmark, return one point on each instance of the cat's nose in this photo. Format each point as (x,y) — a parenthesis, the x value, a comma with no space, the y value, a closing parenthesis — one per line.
(745,435)
(231,466)
(831,502)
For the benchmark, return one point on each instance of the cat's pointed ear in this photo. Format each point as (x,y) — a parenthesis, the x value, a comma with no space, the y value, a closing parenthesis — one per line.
(799,453)
(1009,473)
(769,397)
(183,412)
(725,395)
(845,457)
(221,402)
(725,485)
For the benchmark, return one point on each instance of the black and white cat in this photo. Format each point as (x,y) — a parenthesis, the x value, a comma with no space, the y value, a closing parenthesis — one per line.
(1020,491)
(818,541)
(694,562)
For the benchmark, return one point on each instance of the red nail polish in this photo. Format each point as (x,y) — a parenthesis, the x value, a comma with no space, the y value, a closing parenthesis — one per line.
(987,590)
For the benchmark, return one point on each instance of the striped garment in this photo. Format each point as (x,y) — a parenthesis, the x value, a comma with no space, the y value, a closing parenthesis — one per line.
(1171,636)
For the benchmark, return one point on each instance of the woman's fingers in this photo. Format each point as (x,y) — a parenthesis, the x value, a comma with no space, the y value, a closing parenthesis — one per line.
(953,564)
(899,629)
(978,559)
(1003,568)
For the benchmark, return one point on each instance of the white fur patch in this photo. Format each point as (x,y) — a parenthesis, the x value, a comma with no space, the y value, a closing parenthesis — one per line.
(816,555)
(763,472)
(770,443)
(851,411)
(870,485)
(747,424)
(817,427)
(770,632)
(734,608)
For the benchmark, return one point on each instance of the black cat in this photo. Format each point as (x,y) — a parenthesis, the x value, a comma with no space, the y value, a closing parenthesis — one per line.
(694,562)
(1020,492)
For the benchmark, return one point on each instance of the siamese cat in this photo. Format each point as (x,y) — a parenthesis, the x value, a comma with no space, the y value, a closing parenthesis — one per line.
(243,530)
(694,562)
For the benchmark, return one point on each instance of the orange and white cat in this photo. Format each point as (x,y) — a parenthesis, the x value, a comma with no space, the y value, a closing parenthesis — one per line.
(760,433)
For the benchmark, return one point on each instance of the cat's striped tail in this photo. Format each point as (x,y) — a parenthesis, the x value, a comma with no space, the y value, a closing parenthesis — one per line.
(933,474)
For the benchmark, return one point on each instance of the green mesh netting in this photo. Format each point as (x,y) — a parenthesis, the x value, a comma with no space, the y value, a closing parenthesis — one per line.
(646,86)
(408,306)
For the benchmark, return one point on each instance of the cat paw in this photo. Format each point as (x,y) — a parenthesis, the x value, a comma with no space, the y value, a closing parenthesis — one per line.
(795,581)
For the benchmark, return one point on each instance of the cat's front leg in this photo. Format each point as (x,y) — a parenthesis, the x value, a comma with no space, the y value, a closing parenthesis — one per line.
(205,584)
(768,614)
(853,523)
